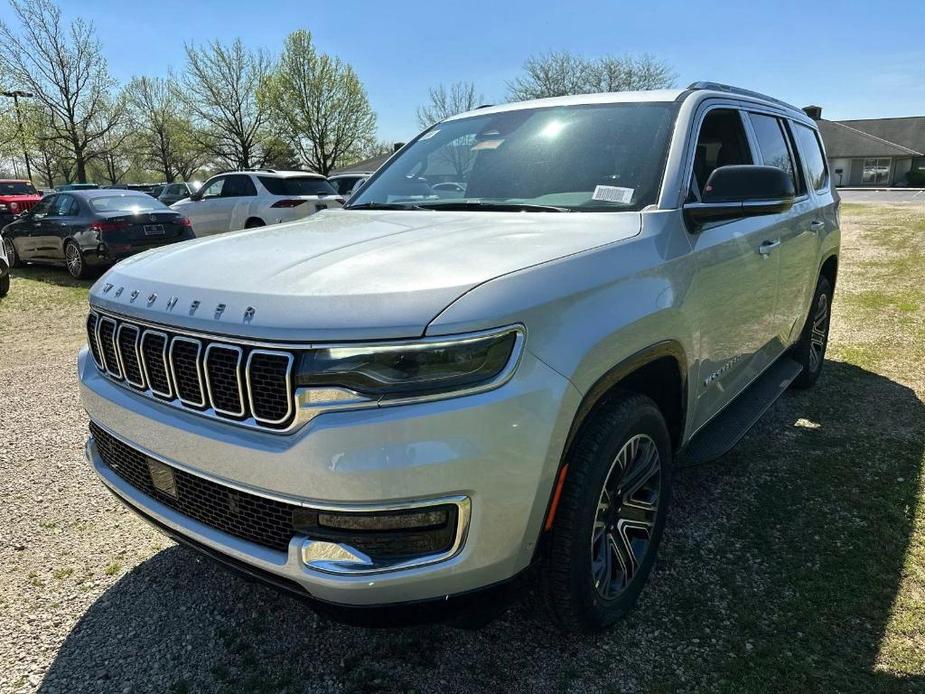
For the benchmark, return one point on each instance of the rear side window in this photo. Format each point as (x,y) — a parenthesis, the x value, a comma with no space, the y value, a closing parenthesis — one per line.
(772,143)
(811,154)
(297,185)
(128,204)
(238,186)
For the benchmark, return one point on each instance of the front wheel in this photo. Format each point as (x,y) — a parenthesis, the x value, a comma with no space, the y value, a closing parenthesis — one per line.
(610,517)
(809,352)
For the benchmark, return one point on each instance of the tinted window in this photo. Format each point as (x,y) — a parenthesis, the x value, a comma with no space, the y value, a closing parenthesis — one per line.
(156,191)
(44,206)
(238,186)
(16,188)
(772,144)
(597,157)
(66,206)
(129,203)
(811,154)
(721,142)
(297,185)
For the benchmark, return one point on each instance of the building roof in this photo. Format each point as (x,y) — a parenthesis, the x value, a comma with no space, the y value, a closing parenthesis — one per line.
(365,166)
(906,132)
(844,140)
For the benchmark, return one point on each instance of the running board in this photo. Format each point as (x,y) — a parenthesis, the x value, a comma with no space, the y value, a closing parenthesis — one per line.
(719,436)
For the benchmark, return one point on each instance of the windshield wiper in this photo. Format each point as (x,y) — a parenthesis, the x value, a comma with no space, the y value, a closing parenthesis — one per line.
(493,206)
(383,206)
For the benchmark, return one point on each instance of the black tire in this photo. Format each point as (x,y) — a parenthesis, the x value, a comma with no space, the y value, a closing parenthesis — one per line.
(809,352)
(253,223)
(74,261)
(11,255)
(4,286)
(577,598)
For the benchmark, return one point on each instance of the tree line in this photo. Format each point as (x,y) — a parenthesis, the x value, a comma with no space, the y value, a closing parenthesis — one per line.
(230,107)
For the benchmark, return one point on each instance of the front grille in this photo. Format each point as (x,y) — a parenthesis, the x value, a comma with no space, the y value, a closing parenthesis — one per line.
(232,382)
(254,518)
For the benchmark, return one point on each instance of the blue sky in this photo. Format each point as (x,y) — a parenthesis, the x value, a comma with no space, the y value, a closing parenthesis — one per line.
(855,59)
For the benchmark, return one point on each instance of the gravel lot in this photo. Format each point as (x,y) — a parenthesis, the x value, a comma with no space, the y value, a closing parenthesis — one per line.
(796,563)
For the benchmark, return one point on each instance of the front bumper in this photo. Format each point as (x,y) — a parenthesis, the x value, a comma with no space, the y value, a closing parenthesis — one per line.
(498,449)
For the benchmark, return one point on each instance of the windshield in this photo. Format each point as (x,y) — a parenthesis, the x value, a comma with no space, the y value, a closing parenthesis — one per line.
(17,188)
(301,185)
(127,204)
(600,157)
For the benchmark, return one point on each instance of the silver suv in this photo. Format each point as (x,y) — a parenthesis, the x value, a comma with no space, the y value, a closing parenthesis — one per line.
(437,388)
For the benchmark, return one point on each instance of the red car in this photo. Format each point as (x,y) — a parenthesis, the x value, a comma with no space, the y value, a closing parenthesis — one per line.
(15,198)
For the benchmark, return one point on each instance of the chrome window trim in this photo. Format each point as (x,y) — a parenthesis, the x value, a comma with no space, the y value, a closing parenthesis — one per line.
(238,376)
(115,347)
(462,502)
(137,330)
(173,370)
(144,364)
(250,395)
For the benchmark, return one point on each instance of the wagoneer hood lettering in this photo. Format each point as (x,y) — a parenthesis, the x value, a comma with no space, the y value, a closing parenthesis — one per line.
(344,274)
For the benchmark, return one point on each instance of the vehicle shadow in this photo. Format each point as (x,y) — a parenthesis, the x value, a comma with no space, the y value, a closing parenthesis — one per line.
(780,571)
(51,274)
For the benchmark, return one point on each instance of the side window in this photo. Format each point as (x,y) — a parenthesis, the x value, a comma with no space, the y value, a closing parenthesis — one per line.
(772,143)
(811,154)
(721,142)
(214,189)
(66,206)
(45,206)
(239,186)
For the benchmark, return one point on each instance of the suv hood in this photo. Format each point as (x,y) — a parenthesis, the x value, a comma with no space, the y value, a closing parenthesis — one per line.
(344,274)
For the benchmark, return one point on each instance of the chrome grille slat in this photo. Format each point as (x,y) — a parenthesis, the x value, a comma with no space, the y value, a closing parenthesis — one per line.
(129,358)
(235,382)
(226,392)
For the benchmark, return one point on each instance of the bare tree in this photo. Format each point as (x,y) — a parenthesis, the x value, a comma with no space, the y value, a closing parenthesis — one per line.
(319,105)
(65,69)
(164,137)
(113,151)
(460,97)
(562,73)
(219,89)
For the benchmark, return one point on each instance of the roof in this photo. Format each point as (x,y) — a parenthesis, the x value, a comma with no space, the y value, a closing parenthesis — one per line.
(365,166)
(843,140)
(906,132)
(106,193)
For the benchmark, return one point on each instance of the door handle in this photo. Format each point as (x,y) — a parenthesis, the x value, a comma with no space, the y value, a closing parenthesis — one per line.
(767,246)
(816,226)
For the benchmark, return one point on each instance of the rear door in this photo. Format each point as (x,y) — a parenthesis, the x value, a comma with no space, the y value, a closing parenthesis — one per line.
(733,292)
(60,225)
(237,197)
(793,229)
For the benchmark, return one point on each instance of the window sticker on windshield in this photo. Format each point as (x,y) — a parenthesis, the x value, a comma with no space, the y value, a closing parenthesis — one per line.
(427,136)
(487,144)
(613,194)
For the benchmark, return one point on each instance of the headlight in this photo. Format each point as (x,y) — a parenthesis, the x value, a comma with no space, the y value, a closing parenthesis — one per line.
(438,366)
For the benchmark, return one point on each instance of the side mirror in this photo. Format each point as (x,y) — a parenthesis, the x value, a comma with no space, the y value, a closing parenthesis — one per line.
(195,197)
(739,191)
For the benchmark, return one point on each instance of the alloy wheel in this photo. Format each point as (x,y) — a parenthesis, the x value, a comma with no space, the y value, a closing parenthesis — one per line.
(73,259)
(820,333)
(10,251)
(625,518)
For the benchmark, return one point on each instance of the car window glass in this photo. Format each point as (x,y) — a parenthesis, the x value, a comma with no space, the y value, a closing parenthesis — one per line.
(721,142)
(238,186)
(214,189)
(297,185)
(772,144)
(811,154)
(64,206)
(45,206)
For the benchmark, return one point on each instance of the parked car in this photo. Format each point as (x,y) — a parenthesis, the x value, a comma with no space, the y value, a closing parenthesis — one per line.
(418,399)
(247,199)
(16,197)
(345,184)
(76,186)
(449,186)
(175,192)
(89,229)
(4,269)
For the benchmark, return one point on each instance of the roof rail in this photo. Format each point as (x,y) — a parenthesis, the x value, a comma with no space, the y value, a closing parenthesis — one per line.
(719,87)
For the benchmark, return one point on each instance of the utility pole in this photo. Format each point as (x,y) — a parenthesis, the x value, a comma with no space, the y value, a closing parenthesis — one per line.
(22,138)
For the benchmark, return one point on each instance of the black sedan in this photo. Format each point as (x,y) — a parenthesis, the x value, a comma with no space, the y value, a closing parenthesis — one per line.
(88,229)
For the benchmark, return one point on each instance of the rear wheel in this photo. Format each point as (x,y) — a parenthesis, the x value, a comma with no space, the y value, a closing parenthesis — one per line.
(253,223)
(11,255)
(74,259)
(610,517)
(810,350)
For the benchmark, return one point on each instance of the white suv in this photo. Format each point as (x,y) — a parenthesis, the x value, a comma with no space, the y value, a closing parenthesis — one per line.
(245,199)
